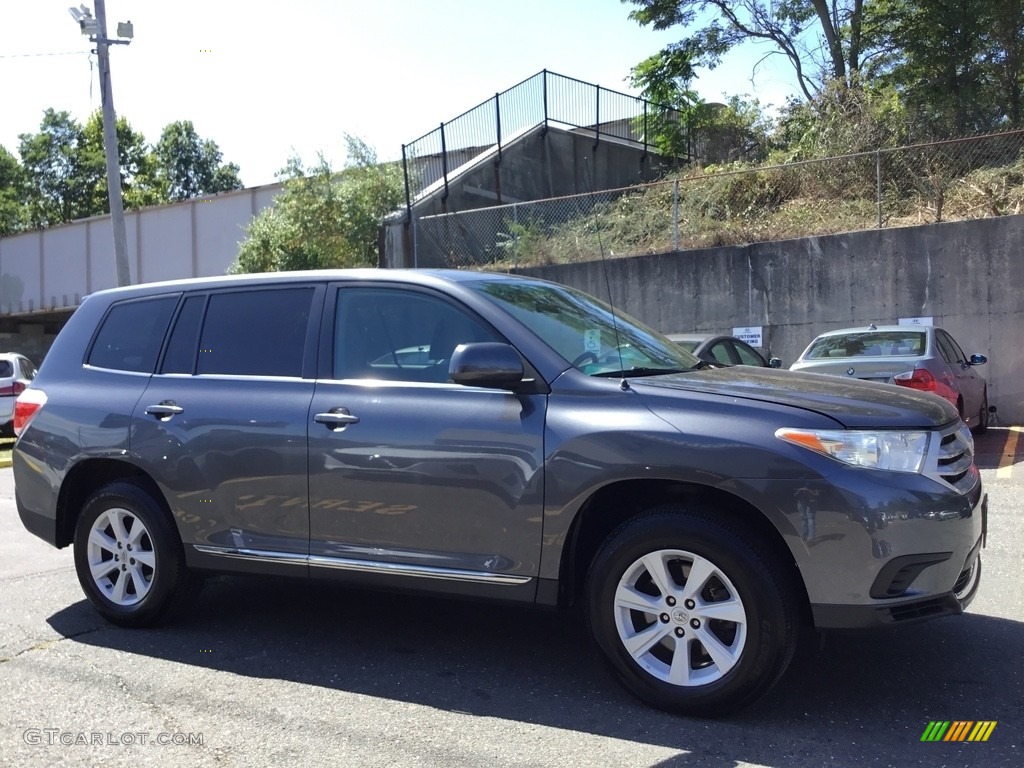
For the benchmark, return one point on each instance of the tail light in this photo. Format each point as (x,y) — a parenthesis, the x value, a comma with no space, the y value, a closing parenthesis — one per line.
(920,378)
(16,388)
(26,407)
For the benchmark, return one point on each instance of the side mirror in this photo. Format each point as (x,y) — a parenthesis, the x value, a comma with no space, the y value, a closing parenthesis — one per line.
(486,364)
(978,360)
(775,362)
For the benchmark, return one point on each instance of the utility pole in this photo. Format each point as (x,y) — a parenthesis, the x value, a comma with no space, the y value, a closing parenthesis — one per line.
(96,28)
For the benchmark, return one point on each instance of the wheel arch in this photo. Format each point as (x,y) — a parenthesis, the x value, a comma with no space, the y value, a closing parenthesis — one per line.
(84,479)
(610,506)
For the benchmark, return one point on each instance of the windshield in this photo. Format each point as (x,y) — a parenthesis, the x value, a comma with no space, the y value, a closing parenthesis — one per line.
(581,329)
(868,344)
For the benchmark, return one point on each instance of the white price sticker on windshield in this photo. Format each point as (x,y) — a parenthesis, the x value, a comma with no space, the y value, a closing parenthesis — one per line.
(592,341)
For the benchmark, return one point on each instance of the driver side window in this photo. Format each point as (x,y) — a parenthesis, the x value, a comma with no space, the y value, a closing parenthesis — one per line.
(399,335)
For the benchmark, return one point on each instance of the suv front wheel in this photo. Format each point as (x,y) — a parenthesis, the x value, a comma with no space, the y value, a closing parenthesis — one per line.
(129,558)
(690,613)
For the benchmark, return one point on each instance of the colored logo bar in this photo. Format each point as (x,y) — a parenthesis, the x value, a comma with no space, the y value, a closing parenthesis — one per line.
(959,730)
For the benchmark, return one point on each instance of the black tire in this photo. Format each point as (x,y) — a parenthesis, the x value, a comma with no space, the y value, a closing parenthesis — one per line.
(125,590)
(744,580)
(982,426)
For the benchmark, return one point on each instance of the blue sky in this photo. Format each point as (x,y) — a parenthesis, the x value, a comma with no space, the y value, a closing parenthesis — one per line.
(266,80)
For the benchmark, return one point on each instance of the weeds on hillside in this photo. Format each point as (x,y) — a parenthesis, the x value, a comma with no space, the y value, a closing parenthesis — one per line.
(739,203)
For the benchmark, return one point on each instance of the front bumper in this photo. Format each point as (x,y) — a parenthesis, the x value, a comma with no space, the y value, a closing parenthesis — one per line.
(910,587)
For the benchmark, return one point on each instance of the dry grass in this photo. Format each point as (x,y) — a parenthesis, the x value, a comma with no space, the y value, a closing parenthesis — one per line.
(746,205)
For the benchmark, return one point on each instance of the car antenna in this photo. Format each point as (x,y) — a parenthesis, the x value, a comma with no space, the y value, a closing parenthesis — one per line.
(872,327)
(623,383)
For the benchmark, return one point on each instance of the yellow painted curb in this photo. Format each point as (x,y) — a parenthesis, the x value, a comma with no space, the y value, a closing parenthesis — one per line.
(1005,469)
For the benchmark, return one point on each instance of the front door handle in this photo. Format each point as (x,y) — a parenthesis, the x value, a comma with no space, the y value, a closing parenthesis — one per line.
(165,410)
(336,419)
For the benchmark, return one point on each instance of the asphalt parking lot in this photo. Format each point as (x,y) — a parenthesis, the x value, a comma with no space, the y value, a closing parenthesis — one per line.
(284,673)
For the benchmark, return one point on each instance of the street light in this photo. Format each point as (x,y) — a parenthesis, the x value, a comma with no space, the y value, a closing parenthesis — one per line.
(95,28)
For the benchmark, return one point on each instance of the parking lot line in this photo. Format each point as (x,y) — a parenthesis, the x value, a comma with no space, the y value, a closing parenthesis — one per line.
(1009,453)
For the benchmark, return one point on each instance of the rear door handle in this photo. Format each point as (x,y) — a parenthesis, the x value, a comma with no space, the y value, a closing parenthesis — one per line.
(165,410)
(336,418)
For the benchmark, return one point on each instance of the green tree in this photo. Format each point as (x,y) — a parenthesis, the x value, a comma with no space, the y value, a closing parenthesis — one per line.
(1006,58)
(190,166)
(321,219)
(139,183)
(822,39)
(957,64)
(841,121)
(13,214)
(664,79)
(61,172)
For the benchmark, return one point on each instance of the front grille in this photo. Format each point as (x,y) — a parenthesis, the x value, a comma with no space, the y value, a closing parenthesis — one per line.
(952,462)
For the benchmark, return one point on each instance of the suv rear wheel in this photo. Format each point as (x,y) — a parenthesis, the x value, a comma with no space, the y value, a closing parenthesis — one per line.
(691,613)
(129,558)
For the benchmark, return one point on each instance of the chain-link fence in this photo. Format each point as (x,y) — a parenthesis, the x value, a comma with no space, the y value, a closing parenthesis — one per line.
(945,181)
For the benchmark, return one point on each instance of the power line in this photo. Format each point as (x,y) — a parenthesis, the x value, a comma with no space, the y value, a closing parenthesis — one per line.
(34,55)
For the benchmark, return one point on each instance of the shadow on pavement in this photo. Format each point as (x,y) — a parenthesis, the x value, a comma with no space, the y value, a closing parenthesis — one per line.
(857,696)
(998,446)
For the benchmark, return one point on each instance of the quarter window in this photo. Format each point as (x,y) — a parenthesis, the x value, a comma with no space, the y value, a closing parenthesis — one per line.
(131,335)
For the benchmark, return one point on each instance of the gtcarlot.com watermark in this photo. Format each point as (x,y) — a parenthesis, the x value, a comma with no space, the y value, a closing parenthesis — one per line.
(52,737)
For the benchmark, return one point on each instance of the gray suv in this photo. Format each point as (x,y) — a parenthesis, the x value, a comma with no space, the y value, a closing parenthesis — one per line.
(493,437)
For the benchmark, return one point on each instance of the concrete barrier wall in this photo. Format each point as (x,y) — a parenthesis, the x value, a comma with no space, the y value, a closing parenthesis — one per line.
(967,275)
(54,268)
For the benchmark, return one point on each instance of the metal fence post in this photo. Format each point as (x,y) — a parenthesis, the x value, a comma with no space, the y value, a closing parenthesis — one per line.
(878,182)
(515,229)
(444,163)
(497,120)
(597,119)
(415,244)
(644,157)
(408,199)
(544,80)
(675,215)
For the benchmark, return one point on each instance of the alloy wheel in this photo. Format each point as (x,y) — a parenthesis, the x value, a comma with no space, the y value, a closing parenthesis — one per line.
(120,557)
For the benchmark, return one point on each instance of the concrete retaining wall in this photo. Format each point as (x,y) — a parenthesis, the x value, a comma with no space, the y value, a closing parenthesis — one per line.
(968,276)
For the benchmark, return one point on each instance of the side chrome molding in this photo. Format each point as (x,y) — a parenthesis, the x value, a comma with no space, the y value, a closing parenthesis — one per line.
(364,566)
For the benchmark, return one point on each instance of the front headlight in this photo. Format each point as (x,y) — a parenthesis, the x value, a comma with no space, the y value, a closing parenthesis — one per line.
(894,451)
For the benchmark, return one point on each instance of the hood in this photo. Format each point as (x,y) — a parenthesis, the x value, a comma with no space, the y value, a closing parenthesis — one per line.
(852,402)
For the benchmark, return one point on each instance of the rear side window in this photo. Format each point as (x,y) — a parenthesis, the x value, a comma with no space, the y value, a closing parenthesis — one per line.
(131,335)
(6,369)
(255,333)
